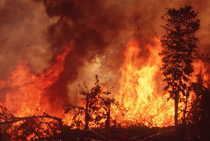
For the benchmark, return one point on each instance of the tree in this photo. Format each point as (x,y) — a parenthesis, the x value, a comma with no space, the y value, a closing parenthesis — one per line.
(96,110)
(97,105)
(179,44)
(199,115)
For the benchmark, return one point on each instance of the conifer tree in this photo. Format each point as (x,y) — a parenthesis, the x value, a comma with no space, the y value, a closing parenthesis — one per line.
(179,44)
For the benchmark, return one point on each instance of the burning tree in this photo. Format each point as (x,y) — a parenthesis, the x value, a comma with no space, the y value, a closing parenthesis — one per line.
(199,115)
(97,108)
(97,105)
(179,44)
(43,127)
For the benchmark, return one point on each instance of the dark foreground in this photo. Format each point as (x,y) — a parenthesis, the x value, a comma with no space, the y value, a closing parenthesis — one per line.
(135,133)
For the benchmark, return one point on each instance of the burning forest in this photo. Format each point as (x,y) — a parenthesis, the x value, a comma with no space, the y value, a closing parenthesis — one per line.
(104,70)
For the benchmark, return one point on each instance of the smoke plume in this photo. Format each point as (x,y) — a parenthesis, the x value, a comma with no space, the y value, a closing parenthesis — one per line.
(36,31)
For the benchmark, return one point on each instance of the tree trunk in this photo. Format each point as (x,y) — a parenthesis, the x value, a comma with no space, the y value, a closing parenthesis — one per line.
(176,109)
(108,123)
(185,109)
(86,112)
(176,115)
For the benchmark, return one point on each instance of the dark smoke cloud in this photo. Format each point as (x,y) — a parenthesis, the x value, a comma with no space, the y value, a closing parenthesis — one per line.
(39,30)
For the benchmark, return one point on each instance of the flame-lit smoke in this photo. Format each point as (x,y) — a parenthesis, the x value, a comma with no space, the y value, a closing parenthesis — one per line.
(27,94)
(37,31)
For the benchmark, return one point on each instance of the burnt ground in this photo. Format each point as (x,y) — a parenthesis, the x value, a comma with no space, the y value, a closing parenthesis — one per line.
(139,133)
(135,133)
(132,133)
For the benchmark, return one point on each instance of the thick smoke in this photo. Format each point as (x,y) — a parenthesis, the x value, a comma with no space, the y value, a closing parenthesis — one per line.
(22,27)
(36,31)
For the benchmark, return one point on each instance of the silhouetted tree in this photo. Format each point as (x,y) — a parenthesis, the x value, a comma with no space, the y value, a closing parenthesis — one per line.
(97,107)
(179,44)
(96,103)
(199,116)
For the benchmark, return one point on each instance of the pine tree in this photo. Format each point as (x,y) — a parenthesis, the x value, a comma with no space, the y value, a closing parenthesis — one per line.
(179,44)
(199,115)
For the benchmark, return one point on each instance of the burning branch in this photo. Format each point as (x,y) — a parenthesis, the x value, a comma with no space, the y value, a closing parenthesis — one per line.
(96,110)
(24,128)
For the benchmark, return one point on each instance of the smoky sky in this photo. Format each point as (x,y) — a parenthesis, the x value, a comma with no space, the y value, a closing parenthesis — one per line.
(36,31)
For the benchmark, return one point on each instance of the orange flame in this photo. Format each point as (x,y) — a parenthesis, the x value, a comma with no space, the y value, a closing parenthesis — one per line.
(25,89)
(200,67)
(139,87)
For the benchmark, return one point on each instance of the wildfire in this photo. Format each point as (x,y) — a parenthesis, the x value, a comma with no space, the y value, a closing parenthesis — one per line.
(139,87)
(25,90)
(200,67)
